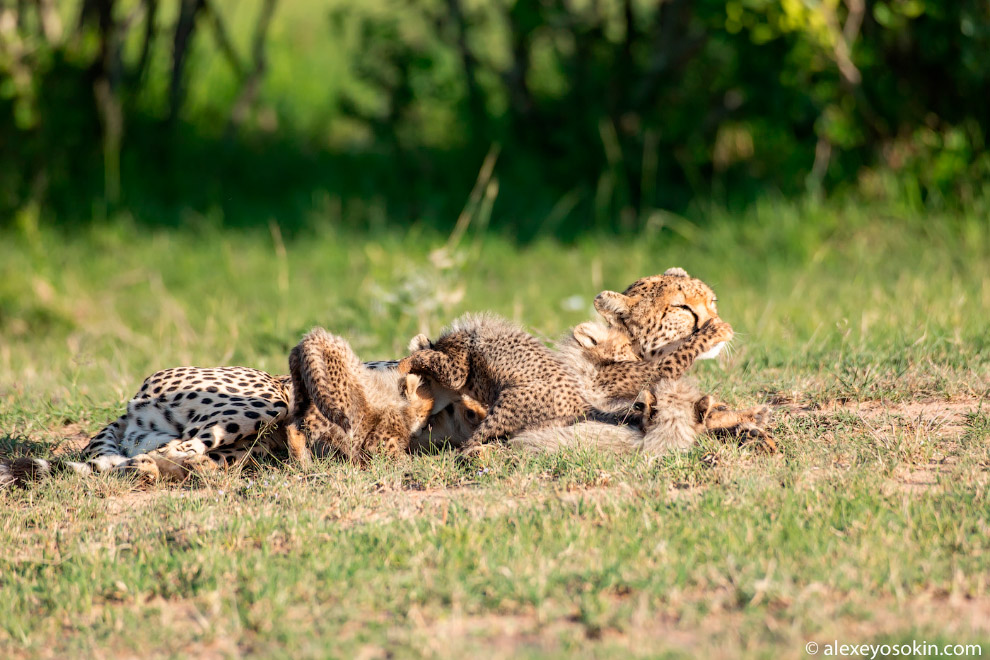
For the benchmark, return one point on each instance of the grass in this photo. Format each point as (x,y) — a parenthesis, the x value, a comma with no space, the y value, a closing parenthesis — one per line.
(865,328)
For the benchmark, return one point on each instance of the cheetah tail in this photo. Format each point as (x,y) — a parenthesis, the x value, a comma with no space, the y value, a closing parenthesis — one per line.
(103,451)
(323,369)
(22,471)
(597,435)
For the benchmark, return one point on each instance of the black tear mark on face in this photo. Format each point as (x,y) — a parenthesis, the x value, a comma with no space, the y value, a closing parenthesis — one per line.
(693,314)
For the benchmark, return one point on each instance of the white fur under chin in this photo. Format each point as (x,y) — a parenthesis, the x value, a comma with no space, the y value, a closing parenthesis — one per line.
(712,352)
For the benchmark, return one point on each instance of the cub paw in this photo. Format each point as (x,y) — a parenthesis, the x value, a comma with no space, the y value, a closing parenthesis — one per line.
(753,437)
(703,408)
(200,464)
(761,416)
(143,467)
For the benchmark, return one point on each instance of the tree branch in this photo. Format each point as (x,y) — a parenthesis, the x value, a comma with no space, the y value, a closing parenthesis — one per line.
(251,83)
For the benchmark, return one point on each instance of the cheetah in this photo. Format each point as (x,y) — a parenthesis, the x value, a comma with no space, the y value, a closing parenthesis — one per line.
(357,411)
(661,312)
(653,323)
(523,383)
(183,419)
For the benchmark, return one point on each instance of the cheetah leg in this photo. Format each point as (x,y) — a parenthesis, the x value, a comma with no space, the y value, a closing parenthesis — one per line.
(505,417)
(323,368)
(749,426)
(103,451)
(673,365)
(626,380)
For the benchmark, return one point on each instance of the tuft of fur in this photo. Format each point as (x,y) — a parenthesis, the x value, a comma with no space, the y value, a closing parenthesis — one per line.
(601,436)
(357,411)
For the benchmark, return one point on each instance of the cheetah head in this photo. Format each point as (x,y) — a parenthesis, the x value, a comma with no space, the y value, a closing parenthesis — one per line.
(604,344)
(659,310)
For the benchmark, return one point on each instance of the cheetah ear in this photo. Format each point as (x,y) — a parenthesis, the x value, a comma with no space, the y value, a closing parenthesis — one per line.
(590,334)
(613,306)
(420,398)
(415,389)
(676,271)
(419,342)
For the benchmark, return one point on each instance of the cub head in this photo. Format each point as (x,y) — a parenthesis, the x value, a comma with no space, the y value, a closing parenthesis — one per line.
(604,344)
(451,426)
(387,430)
(658,310)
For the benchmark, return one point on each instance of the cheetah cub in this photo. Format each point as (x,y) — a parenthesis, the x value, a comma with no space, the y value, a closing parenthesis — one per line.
(341,404)
(520,381)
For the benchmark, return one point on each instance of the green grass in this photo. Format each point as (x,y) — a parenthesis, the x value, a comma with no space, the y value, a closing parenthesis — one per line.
(866,329)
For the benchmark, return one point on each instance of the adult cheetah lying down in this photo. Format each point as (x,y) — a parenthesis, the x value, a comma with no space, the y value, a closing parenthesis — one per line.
(196,419)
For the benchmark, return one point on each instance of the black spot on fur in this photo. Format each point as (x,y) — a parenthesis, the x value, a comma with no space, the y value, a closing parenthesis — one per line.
(231,428)
(250,414)
(213,388)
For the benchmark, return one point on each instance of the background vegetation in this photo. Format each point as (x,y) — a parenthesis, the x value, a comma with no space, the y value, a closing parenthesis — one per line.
(604,113)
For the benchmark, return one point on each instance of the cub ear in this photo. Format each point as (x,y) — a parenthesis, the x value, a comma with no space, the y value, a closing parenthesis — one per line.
(676,271)
(416,388)
(420,398)
(613,306)
(590,334)
(419,343)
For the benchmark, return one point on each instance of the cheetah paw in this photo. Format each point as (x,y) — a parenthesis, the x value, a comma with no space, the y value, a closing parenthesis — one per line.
(143,467)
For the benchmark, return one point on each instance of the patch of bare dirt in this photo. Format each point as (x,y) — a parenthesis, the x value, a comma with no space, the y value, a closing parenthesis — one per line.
(71,437)
(946,418)
(722,629)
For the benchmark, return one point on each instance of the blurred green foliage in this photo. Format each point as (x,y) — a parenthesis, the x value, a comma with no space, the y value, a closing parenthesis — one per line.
(601,111)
